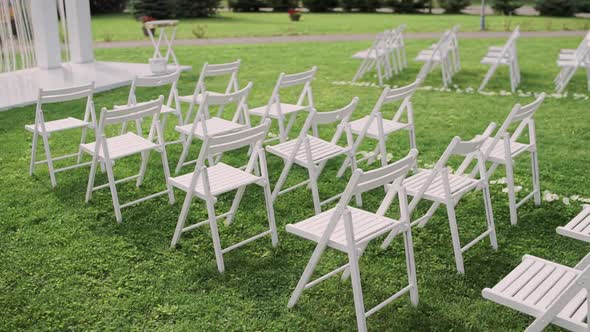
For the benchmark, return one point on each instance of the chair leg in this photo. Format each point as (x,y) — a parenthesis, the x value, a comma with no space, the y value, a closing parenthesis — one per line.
(290,125)
(511,191)
(82,141)
(455,238)
(33,153)
(355,275)
(270,212)
(164,157)
(235,205)
(383,150)
(429,214)
(91,178)
(113,187)
(282,134)
(309,268)
(281,180)
(411,266)
(215,235)
(313,177)
(536,178)
(49,159)
(181,220)
(145,157)
(185,147)
(487,200)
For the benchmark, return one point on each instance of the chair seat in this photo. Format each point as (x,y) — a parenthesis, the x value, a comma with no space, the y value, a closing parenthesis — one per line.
(460,184)
(389,126)
(165,109)
(122,146)
(215,126)
(274,112)
(426,55)
(59,125)
(498,155)
(369,54)
(222,178)
(320,150)
(366,226)
(534,284)
(199,99)
(579,227)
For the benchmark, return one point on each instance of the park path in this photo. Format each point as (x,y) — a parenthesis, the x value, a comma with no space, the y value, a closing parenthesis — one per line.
(332,38)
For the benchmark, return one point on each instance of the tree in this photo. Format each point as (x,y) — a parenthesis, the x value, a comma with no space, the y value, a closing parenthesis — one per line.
(246,5)
(361,5)
(166,9)
(556,7)
(454,6)
(282,5)
(320,5)
(506,7)
(107,6)
(407,6)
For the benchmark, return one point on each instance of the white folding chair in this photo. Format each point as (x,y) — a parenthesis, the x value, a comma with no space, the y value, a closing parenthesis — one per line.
(313,152)
(45,128)
(206,125)
(442,187)
(444,53)
(569,62)
(578,228)
(350,230)
(107,150)
(397,48)
(374,125)
(552,293)
(230,69)
(505,147)
(208,182)
(279,110)
(506,55)
(377,57)
(172,105)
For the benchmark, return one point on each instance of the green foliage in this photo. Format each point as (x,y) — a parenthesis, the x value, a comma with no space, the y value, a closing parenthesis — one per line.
(454,6)
(166,9)
(320,5)
(282,5)
(361,5)
(583,6)
(506,7)
(246,5)
(407,6)
(107,6)
(556,7)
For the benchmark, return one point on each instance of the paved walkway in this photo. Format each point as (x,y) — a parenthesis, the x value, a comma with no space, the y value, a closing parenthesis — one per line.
(332,38)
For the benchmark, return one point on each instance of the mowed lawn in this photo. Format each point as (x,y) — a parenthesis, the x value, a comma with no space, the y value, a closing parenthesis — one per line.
(228,24)
(67,265)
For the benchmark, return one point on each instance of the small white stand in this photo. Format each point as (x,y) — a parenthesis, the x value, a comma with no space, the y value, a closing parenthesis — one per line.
(159,63)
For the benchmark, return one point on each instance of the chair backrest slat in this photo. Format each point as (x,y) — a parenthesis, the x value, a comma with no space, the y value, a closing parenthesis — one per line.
(157,80)
(321,118)
(298,78)
(224,99)
(66,94)
(385,175)
(392,95)
(131,113)
(210,70)
(527,111)
(233,141)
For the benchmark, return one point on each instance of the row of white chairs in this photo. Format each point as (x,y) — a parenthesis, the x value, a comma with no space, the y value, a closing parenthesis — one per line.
(211,177)
(387,55)
(444,53)
(570,60)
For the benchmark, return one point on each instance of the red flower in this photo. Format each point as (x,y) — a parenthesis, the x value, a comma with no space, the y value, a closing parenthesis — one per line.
(293,11)
(144,19)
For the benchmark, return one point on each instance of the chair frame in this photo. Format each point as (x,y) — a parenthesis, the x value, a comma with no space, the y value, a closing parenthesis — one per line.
(118,116)
(287,81)
(390,176)
(506,55)
(524,116)
(39,129)
(215,145)
(388,96)
(471,150)
(569,61)
(315,168)
(240,98)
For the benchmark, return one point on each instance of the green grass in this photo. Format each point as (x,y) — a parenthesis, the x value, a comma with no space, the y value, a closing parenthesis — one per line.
(226,24)
(67,265)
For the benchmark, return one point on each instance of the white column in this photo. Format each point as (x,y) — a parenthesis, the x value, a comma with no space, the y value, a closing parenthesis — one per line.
(46,33)
(79,30)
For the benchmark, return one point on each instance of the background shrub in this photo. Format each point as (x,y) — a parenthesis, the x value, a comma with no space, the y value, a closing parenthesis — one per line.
(320,5)
(583,6)
(107,6)
(407,6)
(246,5)
(282,5)
(506,7)
(556,7)
(453,6)
(166,9)
(361,5)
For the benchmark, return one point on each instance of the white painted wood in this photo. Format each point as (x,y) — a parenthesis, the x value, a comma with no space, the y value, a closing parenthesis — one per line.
(550,292)
(312,152)
(579,227)
(46,33)
(44,128)
(349,230)
(207,182)
(283,112)
(506,55)
(569,61)
(444,53)
(107,149)
(79,31)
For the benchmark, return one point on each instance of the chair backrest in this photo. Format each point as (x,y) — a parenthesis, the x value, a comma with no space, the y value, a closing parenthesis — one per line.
(223,143)
(389,96)
(156,81)
(523,115)
(303,80)
(66,94)
(469,150)
(230,69)
(238,98)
